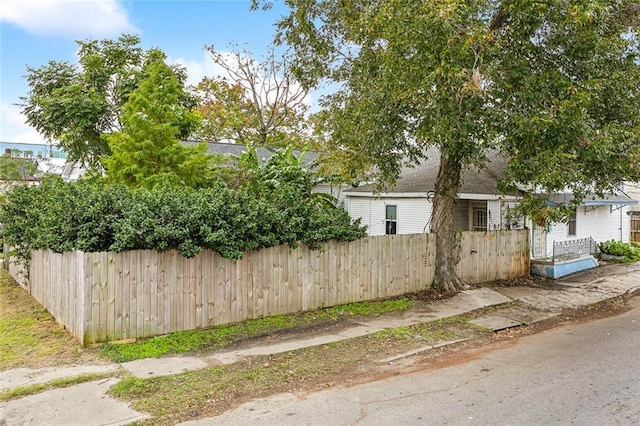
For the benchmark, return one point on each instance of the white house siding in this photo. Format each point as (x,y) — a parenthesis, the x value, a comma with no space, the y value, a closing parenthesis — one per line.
(599,223)
(336,190)
(413,213)
(632,189)
(462,216)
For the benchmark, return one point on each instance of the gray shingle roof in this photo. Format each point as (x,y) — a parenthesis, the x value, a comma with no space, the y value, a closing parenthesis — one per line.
(422,178)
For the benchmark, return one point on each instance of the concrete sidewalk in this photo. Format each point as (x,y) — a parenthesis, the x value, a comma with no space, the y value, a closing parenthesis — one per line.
(88,403)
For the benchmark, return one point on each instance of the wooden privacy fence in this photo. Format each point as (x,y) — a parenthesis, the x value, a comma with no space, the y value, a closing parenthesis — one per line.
(113,296)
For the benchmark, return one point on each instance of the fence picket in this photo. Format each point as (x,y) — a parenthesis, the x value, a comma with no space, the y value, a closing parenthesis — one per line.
(114,296)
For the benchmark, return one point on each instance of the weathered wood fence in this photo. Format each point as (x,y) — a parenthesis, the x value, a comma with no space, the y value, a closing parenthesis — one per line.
(113,296)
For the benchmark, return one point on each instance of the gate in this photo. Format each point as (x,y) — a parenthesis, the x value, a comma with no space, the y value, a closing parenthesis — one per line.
(539,242)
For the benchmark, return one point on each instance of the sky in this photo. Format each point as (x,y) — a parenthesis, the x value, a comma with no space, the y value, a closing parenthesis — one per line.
(34,32)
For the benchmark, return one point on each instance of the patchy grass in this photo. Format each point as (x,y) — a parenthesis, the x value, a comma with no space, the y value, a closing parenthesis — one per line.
(29,335)
(209,392)
(368,309)
(196,340)
(226,335)
(63,382)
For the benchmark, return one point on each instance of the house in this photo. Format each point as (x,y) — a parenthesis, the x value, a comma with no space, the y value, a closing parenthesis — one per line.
(632,189)
(406,208)
(598,218)
(39,159)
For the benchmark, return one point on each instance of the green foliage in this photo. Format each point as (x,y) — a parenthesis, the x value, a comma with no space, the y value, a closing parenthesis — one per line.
(77,105)
(194,340)
(17,169)
(95,215)
(226,335)
(551,86)
(62,382)
(147,151)
(370,309)
(630,252)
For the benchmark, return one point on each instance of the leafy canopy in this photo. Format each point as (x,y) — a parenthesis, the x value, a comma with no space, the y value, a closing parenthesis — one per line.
(76,105)
(147,152)
(94,214)
(550,85)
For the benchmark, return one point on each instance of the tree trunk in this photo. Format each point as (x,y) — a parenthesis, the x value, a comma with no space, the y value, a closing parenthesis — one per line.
(442,224)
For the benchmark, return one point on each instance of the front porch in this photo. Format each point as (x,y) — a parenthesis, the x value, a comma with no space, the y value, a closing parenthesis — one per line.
(568,257)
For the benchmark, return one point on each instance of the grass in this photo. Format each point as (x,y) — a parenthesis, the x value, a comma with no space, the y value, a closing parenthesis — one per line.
(368,309)
(195,340)
(225,335)
(29,335)
(172,399)
(63,382)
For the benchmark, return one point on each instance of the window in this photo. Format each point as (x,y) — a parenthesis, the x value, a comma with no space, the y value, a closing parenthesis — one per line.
(391,219)
(571,223)
(479,219)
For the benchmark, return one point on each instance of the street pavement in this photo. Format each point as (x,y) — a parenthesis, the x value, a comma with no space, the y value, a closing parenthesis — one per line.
(89,404)
(576,374)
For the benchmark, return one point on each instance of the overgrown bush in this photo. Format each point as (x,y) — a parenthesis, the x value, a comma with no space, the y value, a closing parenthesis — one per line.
(629,252)
(94,215)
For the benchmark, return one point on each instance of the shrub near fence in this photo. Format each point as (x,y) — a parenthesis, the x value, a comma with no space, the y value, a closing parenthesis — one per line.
(113,296)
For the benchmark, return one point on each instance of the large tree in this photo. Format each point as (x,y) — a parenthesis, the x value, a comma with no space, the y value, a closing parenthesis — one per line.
(76,105)
(552,85)
(147,151)
(256,102)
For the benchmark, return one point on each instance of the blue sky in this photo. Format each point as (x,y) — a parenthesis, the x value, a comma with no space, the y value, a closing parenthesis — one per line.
(33,32)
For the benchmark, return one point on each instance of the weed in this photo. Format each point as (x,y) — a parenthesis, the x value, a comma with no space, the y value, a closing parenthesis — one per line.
(64,382)
(195,340)
(629,252)
(402,333)
(225,335)
(369,309)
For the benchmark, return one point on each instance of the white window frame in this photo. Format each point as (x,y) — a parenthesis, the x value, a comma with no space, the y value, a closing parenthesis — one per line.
(475,224)
(388,222)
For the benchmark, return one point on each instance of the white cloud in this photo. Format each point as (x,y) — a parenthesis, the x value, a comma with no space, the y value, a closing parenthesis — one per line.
(13,127)
(198,69)
(75,18)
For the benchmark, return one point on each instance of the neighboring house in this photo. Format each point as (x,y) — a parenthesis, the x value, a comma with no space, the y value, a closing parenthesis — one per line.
(42,159)
(73,170)
(406,208)
(599,218)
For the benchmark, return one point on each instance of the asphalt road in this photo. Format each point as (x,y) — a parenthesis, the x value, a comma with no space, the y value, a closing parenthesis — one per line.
(582,374)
